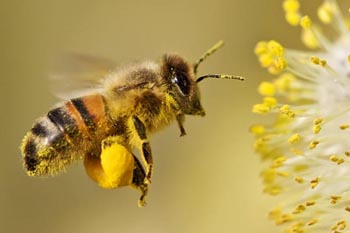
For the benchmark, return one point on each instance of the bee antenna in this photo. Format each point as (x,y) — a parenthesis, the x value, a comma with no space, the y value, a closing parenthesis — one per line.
(221,76)
(207,54)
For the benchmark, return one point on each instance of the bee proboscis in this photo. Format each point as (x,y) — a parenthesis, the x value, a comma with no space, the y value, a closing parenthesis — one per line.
(104,126)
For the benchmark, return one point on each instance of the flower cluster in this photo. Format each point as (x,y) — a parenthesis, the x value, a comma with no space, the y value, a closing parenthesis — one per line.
(306,149)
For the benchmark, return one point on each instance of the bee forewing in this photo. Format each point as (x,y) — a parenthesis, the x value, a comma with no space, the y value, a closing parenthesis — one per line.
(76,75)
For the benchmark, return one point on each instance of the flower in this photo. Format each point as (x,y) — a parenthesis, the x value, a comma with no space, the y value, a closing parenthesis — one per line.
(306,149)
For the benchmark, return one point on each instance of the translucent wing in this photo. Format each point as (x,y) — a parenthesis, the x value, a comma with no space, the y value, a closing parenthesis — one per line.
(77,75)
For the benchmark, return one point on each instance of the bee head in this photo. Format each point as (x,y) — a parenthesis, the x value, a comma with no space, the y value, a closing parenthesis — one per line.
(182,85)
(181,78)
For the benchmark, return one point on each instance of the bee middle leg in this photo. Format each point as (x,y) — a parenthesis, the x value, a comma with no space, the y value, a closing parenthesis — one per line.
(145,147)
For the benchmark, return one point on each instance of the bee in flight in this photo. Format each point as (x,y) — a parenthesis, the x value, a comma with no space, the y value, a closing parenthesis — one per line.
(104,126)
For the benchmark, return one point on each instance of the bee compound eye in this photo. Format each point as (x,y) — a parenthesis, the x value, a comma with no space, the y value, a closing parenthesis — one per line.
(182,82)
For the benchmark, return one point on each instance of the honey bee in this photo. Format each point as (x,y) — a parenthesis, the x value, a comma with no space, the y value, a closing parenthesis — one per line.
(104,126)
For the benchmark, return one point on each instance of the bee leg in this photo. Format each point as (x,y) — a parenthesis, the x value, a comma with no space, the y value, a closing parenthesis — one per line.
(138,181)
(180,118)
(145,147)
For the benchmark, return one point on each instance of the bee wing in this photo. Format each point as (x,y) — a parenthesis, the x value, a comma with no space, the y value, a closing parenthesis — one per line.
(77,75)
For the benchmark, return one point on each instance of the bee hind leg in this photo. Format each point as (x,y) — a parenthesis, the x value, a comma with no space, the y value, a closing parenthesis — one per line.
(138,181)
(145,147)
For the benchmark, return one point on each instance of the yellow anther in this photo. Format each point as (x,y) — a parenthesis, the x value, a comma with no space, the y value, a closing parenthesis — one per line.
(293,18)
(281,63)
(348,59)
(318,121)
(323,63)
(275,48)
(335,199)
(313,144)
(341,225)
(325,13)
(316,129)
(266,60)
(344,126)
(284,218)
(314,182)
(278,162)
(270,102)
(334,158)
(257,129)
(296,151)
(305,22)
(318,61)
(340,161)
(260,48)
(312,222)
(310,203)
(260,108)
(299,180)
(309,39)
(275,190)
(300,168)
(266,89)
(283,82)
(282,174)
(285,110)
(347,208)
(291,5)
(299,209)
(347,153)
(294,138)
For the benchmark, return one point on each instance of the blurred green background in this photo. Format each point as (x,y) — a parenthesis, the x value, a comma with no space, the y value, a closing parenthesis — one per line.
(207,181)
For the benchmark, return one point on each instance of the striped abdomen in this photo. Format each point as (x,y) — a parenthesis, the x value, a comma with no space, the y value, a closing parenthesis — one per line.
(65,134)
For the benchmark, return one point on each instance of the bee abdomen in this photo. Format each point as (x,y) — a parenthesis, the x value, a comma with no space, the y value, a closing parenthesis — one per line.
(65,134)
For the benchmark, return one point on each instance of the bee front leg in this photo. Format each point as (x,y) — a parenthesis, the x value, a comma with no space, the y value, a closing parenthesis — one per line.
(145,147)
(180,118)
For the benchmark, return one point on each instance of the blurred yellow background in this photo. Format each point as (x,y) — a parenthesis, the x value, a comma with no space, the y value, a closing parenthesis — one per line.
(207,181)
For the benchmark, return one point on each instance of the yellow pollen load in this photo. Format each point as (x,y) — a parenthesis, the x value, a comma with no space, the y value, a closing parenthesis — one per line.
(325,13)
(118,164)
(313,144)
(266,89)
(294,139)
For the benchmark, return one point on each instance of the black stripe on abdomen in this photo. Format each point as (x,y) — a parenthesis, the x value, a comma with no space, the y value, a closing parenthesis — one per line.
(30,157)
(63,121)
(40,130)
(84,113)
